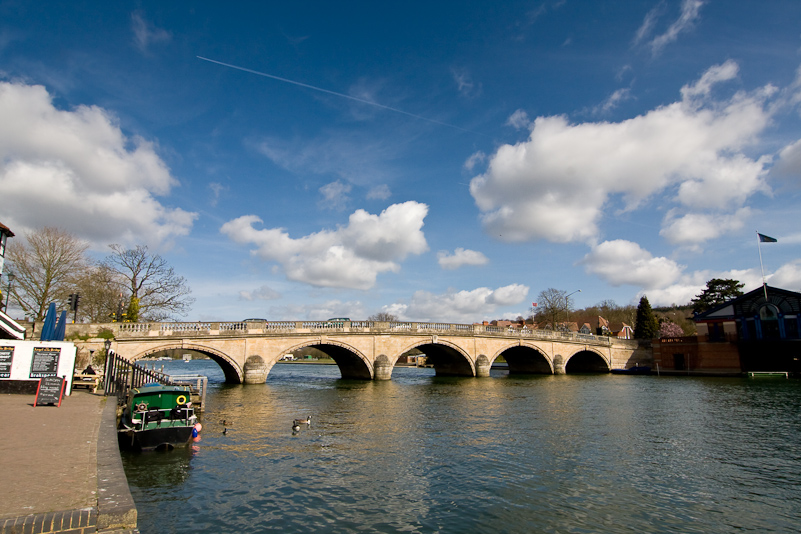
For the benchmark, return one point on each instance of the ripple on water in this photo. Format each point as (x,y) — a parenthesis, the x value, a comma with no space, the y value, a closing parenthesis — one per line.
(423,454)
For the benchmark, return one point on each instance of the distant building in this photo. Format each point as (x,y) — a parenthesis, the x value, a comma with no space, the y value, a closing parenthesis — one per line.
(748,333)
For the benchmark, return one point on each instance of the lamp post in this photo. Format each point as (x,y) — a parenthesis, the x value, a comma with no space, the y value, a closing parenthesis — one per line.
(8,290)
(567,303)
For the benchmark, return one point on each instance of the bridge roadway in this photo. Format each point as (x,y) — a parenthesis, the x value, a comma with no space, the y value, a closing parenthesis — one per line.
(368,350)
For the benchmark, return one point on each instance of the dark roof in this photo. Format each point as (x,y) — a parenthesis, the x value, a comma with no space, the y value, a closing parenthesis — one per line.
(748,305)
(6,230)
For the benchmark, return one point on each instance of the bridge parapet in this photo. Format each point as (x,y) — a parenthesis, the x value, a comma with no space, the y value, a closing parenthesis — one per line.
(268,328)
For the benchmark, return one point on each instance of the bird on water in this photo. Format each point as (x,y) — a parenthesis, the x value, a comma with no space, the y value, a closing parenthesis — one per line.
(297,422)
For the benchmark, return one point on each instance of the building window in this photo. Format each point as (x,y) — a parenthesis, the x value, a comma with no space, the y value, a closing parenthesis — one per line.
(769,319)
(716,332)
(791,327)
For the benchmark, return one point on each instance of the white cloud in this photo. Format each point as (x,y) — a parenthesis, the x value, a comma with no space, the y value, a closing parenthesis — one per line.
(465,84)
(556,184)
(623,262)
(789,164)
(335,195)
(689,285)
(74,169)
(458,306)
(146,33)
(614,100)
(379,192)
(459,258)
(351,256)
(690,10)
(695,228)
(216,190)
(692,284)
(788,276)
(519,119)
(355,158)
(475,159)
(262,293)
(719,73)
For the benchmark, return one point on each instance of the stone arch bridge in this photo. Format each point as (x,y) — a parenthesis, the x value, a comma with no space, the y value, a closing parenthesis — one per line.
(368,350)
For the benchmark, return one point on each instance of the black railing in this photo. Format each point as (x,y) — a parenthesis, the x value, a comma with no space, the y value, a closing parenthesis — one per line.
(121,376)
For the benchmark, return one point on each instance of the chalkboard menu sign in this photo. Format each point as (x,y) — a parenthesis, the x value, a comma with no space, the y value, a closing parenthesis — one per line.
(45,362)
(6,356)
(50,391)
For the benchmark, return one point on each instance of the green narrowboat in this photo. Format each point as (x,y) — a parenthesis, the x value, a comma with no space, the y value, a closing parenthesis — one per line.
(157,417)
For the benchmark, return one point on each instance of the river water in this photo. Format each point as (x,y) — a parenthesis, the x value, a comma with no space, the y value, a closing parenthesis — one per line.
(583,453)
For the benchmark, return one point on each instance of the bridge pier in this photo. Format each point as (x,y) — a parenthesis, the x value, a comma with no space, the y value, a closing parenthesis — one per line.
(483,366)
(559,365)
(382,369)
(255,370)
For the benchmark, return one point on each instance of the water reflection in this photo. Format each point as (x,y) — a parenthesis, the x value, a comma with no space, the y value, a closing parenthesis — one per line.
(506,454)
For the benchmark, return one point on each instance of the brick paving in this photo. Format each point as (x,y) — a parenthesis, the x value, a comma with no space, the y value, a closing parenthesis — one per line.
(49,461)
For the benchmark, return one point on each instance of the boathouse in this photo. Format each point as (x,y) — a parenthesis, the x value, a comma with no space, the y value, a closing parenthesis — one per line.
(756,332)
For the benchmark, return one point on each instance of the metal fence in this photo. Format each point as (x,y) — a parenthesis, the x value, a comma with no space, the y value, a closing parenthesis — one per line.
(121,376)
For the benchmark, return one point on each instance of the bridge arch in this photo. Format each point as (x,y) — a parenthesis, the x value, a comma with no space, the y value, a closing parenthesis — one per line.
(447,358)
(351,362)
(587,361)
(234,374)
(526,359)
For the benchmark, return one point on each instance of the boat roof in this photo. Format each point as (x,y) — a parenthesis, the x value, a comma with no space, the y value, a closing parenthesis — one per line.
(159,388)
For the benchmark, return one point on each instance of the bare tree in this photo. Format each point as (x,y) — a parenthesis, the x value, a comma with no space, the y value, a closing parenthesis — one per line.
(551,304)
(44,268)
(149,282)
(99,287)
(383,317)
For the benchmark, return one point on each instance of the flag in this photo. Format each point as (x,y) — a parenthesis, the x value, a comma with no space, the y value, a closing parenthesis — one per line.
(533,304)
(766,239)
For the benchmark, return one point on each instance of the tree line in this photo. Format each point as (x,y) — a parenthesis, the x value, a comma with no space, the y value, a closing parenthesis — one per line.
(130,284)
(554,308)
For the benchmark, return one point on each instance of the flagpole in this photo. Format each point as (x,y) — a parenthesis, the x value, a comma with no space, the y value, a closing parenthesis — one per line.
(761,267)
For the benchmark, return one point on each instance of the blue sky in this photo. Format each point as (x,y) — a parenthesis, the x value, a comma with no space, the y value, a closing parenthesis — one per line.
(440,161)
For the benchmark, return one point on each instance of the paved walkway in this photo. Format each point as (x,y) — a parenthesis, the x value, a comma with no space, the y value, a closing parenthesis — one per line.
(50,458)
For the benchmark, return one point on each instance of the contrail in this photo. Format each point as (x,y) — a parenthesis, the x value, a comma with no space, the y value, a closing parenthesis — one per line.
(361,100)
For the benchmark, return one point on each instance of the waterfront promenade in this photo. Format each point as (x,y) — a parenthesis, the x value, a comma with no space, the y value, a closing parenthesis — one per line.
(61,468)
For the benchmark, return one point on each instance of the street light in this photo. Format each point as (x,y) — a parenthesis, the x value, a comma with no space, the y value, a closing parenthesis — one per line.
(567,303)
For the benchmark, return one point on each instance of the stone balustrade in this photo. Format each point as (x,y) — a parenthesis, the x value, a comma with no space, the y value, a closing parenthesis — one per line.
(132,330)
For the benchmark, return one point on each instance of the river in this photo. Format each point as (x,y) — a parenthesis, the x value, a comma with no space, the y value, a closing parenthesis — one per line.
(562,454)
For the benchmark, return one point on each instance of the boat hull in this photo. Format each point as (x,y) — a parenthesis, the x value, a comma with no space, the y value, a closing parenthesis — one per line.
(155,439)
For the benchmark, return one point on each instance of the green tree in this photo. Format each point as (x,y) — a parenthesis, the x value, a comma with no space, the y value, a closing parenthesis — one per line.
(132,314)
(647,326)
(718,291)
